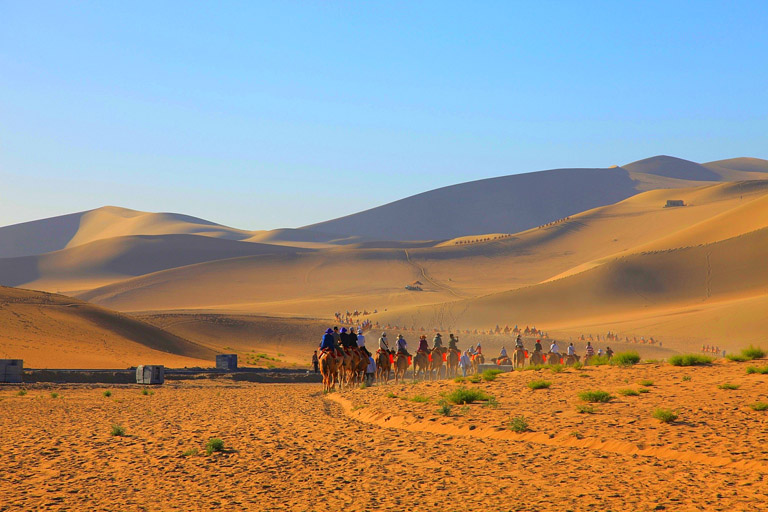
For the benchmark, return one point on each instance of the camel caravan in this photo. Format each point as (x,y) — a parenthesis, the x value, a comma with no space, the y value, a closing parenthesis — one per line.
(346,362)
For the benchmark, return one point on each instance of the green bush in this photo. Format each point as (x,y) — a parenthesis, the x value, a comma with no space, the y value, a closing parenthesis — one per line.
(737,358)
(629,358)
(759,406)
(22,392)
(214,444)
(462,396)
(585,409)
(690,360)
(107,393)
(686,378)
(556,368)
(147,392)
(643,390)
(757,369)
(539,384)
(54,395)
(646,382)
(460,379)
(475,379)
(444,409)
(518,424)
(628,392)
(595,396)
(728,386)
(190,453)
(665,415)
(753,352)
(420,399)
(491,374)
(599,361)
(117,430)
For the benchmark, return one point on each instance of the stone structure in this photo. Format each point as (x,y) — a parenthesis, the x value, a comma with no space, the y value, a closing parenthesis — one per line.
(226,362)
(150,374)
(674,202)
(11,370)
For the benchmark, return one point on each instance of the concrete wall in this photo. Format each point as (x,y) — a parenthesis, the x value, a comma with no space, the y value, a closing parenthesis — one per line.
(11,370)
(226,362)
(150,374)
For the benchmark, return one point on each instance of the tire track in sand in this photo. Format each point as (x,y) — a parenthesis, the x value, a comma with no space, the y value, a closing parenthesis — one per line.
(434,283)
(411,424)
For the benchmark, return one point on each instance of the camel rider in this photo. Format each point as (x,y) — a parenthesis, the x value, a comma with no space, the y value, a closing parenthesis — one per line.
(337,336)
(537,347)
(352,338)
(519,342)
(478,349)
(553,348)
(383,345)
(402,345)
(423,346)
(590,351)
(452,344)
(361,342)
(437,342)
(571,350)
(503,353)
(328,344)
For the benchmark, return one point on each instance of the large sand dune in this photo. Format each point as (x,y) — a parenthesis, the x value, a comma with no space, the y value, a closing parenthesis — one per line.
(55,331)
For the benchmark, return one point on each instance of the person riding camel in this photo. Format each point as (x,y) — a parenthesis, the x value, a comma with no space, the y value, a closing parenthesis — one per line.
(590,351)
(571,350)
(383,345)
(437,342)
(478,349)
(423,345)
(503,353)
(537,347)
(361,343)
(402,345)
(328,344)
(452,344)
(519,342)
(553,348)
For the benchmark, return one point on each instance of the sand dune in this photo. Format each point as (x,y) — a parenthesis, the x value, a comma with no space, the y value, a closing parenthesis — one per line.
(106,261)
(55,331)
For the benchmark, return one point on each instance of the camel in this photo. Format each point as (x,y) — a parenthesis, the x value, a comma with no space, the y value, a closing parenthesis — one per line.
(328,370)
(503,361)
(401,365)
(452,363)
(518,358)
(553,357)
(436,361)
(477,360)
(362,366)
(383,367)
(572,360)
(537,358)
(350,365)
(420,364)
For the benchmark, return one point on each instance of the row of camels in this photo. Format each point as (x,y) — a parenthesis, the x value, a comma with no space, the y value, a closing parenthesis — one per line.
(349,370)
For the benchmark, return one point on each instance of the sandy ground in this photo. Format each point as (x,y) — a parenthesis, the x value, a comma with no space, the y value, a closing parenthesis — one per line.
(291,448)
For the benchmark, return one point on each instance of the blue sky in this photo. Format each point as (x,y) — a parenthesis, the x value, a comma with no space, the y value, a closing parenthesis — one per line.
(280,114)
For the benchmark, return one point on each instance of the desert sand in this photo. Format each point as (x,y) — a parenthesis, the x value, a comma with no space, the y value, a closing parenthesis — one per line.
(287,447)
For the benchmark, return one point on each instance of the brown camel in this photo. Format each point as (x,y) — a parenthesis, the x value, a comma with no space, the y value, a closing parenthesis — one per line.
(362,366)
(328,370)
(436,362)
(518,358)
(420,364)
(351,365)
(537,358)
(452,363)
(477,360)
(383,367)
(401,365)
(571,360)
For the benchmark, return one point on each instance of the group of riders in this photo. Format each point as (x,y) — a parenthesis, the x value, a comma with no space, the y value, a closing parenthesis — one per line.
(554,355)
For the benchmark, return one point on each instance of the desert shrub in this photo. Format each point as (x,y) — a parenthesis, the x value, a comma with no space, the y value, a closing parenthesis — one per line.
(577,435)
(595,396)
(214,444)
(420,399)
(757,369)
(599,360)
(628,392)
(686,378)
(22,392)
(585,409)
(753,352)
(107,394)
(444,409)
(643,390)
(460,379)
(491,403)
(391,395)
(690,360)
(147,392)
(518,424)
(737,358)
(759,406)
(491,374)
(665,415)
(629,358)
(54,395)
(556,368)
(190,453)
(728,385)
(539,384)
(117,430)
(645,382)
(475,379)
(467,396)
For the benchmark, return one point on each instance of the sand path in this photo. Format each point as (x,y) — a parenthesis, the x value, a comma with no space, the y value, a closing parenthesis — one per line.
(291,449)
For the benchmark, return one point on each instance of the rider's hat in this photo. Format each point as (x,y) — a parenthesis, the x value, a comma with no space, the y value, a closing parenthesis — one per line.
(329,331)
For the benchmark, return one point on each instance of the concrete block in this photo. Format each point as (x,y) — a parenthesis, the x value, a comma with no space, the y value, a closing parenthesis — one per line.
(226,362)
(492,366)
(150,374)
(11,370)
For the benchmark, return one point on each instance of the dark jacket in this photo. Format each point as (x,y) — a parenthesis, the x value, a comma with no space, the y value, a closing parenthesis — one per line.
(328,343)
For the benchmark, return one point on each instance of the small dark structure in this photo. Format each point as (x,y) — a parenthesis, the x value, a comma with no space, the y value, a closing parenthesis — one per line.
(226,362)
(150,374)
(674,202)
(11,370)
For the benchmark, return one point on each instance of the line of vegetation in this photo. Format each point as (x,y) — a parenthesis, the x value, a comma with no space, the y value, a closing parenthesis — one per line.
(624,359)
(628,392)
(420,399)
(462,396)
(762,370)
(645,382)
(491,374)
(727,385)
(747,354)
(759,406)
(690,360)
(539,384)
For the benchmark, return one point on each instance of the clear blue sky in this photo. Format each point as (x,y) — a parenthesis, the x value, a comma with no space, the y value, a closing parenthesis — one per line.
(274,114)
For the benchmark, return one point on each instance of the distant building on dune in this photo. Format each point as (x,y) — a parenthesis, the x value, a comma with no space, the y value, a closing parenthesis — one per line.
(674,202)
